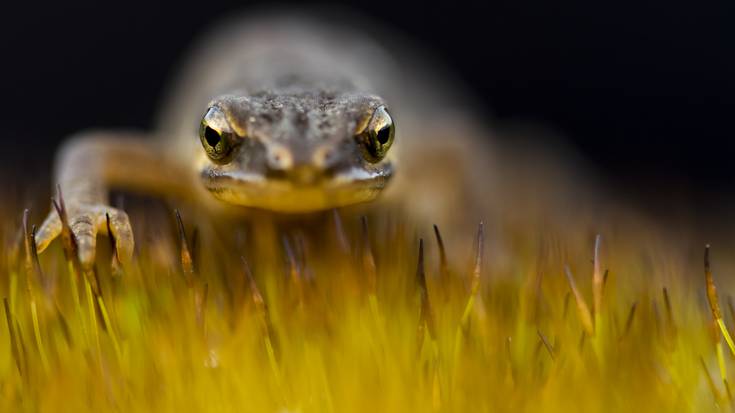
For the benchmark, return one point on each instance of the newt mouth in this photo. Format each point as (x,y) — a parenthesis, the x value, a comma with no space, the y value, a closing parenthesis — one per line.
(294,193)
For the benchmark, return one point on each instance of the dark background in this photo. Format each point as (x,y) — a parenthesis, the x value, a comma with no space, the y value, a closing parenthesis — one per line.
(643,91)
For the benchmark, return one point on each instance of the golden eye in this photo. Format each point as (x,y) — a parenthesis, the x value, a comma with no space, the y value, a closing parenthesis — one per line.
(378,135)
(217,143)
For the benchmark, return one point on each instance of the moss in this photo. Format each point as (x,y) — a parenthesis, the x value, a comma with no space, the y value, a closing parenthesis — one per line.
(351,318)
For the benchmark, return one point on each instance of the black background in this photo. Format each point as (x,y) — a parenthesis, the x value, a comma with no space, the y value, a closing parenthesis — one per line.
(644,91)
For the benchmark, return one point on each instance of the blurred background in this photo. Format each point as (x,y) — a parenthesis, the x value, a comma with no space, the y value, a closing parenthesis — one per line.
(643,92)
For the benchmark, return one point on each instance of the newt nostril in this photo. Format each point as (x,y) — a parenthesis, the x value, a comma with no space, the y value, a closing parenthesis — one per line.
(279,159)
(323,157)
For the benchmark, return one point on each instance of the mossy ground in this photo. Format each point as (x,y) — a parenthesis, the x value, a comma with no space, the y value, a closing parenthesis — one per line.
(344,319)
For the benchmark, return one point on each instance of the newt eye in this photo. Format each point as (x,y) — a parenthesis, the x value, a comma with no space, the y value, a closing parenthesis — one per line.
(378,135)
(217,141)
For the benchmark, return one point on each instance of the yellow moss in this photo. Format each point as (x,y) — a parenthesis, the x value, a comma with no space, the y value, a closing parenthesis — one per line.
(341,323)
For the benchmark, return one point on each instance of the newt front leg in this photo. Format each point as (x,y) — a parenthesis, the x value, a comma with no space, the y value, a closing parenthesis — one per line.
(87,167)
